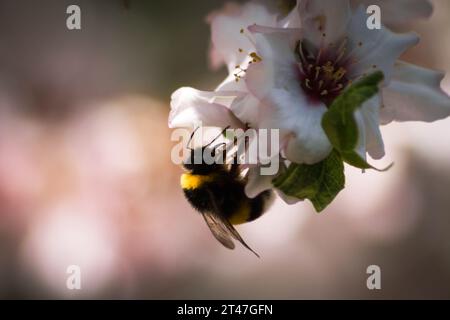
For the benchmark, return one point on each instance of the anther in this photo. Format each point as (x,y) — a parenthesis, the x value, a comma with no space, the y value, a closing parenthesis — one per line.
(307,83)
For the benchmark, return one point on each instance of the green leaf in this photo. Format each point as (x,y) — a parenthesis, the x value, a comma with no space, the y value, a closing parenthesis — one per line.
(339,121)
(320,182)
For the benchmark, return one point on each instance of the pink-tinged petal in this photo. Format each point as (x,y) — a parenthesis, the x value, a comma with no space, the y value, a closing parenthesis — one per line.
(400,12)
(324,20)
(414,94)
(280,36)
(374,49)
(230,84)
(190,106)
(230,37)
(248,110)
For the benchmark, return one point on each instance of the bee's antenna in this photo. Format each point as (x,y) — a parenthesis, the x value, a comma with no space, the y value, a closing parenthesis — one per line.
(192,136)
(223,131)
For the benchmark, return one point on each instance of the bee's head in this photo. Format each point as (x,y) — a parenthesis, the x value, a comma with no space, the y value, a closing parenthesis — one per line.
(197,163)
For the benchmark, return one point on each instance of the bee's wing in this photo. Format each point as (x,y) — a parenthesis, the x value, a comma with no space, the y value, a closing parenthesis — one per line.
(221,228)
(218,230)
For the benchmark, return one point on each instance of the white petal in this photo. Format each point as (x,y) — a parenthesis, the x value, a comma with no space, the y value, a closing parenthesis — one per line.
(414,94)
(190,106)
(374,140)
(288,199)
(309,144)
(368,121)
(248,110)
(275,82)
(292,20)
(226,34)
(230,84)
(361,146)
(277,44)
(324,20)
(289,110)
(375,48)
(256,182)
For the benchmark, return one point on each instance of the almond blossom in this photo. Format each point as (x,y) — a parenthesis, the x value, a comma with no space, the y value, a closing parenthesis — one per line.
(285,72)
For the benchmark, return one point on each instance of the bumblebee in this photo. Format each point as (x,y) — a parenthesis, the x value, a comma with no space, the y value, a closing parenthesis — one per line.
(217,191)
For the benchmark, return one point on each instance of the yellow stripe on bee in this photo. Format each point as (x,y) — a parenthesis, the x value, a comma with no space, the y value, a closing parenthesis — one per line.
(242,215)
(191,181)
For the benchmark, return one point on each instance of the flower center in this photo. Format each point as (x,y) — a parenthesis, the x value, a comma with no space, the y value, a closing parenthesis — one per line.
(323,75)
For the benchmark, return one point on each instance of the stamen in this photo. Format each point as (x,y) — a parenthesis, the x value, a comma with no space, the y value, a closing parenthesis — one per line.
(338,88)
(328,69)
(320,84)
(317,73)
(338,75)
(302,57)
(321,76)
(319,55)
(340,56)
(343,46)
(308,83)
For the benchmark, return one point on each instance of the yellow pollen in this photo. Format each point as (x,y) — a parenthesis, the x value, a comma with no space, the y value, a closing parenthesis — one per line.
(324,93)
(339,74)
(328,68)
(255,57)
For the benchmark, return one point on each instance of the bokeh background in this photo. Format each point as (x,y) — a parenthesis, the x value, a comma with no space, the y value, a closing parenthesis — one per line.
(86,176)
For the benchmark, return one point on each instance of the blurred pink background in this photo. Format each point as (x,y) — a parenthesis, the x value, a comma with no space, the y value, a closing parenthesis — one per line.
(86,176)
